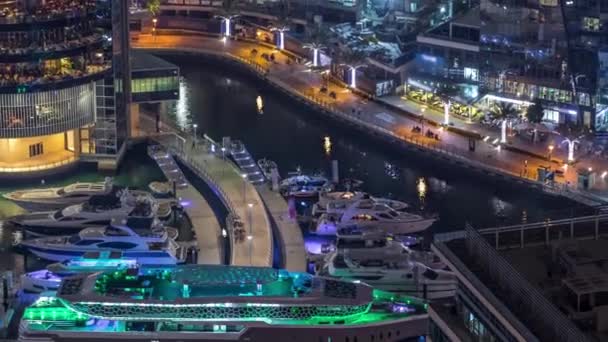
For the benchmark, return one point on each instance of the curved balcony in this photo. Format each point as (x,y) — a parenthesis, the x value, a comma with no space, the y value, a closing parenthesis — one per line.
(46,112)
(23,84)
(14,20)
(70,48)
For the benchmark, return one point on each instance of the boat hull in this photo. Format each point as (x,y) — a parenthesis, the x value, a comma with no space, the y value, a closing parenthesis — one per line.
(40,281)
(142,257)
(327,228)
(49,205)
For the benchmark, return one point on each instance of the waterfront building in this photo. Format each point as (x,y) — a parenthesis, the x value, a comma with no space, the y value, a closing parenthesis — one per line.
(446,67)
(58,98)
(231,303)
(532,284)
(536,52)
(65,87)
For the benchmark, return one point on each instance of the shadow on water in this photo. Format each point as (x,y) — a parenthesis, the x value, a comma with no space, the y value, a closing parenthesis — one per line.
(224,104)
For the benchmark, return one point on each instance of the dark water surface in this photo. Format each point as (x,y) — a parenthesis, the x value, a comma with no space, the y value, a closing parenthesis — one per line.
(223,103)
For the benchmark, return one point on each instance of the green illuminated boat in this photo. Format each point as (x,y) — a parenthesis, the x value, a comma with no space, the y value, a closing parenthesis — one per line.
(211,303)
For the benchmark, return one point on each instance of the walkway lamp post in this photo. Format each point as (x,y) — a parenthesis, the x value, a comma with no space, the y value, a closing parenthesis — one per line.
(446,112)
(353,73)
(250,236)
(195,126)
(244,175)
(571,143)
(316,49)
(281,41)
(154,21)
(551,147)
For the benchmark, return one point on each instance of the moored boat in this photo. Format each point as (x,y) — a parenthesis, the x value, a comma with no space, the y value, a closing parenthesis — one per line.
(147,246)
(58,197)
(49,279)
(200,303)
(304,186)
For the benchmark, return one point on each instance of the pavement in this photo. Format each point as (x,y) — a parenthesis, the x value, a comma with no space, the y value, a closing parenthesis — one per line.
(226,182)
(299,77)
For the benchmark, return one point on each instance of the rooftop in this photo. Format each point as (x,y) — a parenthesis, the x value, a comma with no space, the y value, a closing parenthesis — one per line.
(141,61)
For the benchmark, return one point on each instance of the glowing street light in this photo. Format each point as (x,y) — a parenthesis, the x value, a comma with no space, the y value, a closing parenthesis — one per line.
(503,131)
(281,30)
(551,147)
(571,143)
(446,112)
(195,126)
(250,236)
(316,49)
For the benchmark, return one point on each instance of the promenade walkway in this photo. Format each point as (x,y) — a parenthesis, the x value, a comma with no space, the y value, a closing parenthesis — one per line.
(237,194)
(289,232)
(205,225)
(299,80)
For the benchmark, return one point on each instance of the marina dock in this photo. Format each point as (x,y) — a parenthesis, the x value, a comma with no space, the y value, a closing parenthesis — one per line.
(289,233)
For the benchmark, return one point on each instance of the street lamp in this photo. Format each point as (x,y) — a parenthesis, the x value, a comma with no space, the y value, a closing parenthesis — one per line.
(250,236)
(551,147)
(244,175)
(223,160)
(316,49)
(281,30)
(353,73)
(422,110)
(154,21)
(446,112)
(195,126)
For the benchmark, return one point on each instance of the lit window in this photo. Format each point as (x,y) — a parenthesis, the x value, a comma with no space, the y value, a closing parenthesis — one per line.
(551,115)
(591,24)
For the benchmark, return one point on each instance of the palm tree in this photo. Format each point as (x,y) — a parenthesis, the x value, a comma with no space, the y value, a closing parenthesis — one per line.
(353,59)
(535,112)
(506,112)
(228,12)
(154,7)
(316,44)
(283,22)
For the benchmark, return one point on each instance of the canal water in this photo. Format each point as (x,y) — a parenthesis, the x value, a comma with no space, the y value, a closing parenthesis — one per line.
(223,103)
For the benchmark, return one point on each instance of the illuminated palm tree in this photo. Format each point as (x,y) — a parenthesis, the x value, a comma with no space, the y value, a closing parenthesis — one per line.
(506,112)
(353,60)
(283,22)
(227,13)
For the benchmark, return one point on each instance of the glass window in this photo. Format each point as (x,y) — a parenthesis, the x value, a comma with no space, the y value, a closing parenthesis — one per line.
(551,115)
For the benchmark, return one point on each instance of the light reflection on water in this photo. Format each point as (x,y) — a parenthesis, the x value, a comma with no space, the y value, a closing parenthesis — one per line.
(291,135)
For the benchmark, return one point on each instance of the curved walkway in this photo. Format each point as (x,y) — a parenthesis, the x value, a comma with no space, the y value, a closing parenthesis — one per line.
(298,81)
(238,195)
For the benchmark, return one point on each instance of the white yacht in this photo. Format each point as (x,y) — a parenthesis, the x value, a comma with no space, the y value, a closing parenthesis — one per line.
(147,246)
(304,186)
(99,210)
(378,216)
(378,245)
(59,197)
(391,273)
(50,278)
(338,202)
